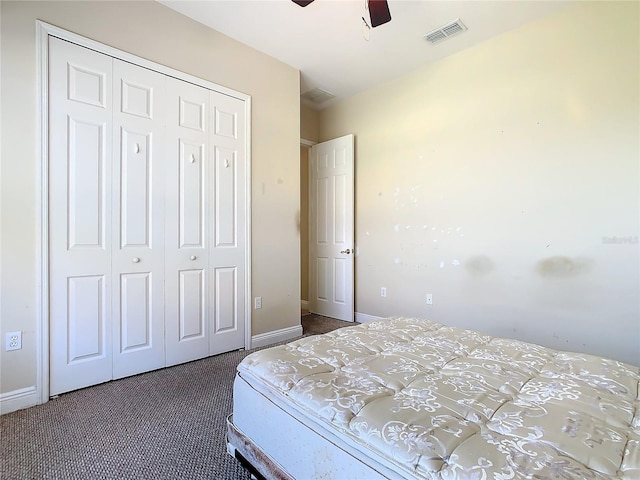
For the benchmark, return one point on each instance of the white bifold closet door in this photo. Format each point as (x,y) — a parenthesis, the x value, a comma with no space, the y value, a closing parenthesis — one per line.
(205,238)
(146,238)
(80,227)
(137,213)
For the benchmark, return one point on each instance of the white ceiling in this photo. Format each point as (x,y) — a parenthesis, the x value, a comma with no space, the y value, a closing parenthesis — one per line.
(325,40)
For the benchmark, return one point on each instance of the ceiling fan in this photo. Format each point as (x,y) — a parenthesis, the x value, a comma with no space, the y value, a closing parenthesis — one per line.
(378,9)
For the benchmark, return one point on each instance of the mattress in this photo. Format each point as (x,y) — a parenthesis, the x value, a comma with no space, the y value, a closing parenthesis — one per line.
(411,398)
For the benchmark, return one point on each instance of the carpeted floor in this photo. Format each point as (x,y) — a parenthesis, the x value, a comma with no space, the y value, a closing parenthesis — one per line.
(166,424)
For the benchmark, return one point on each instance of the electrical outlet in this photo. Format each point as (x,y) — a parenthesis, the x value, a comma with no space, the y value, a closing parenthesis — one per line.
(257,303)
(383,292)
(429,299)
(13,341)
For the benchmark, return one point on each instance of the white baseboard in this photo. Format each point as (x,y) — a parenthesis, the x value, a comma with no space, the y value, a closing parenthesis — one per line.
(285,334)
(282,335)
(364,318)
(17,400)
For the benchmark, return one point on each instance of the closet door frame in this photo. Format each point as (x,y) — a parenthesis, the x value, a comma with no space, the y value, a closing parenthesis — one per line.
(43,32)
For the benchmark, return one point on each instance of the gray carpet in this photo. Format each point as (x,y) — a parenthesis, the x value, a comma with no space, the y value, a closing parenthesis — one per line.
(166,424)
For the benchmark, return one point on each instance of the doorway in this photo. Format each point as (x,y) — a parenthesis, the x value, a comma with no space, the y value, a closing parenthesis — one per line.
(331,228)
(305,150)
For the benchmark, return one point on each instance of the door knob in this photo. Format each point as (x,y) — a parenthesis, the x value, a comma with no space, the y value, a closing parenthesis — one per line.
(136,260)
(347,251)
(192,257)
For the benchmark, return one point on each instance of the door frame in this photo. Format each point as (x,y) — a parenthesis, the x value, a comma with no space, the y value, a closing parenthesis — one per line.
(43,32)
(304,304)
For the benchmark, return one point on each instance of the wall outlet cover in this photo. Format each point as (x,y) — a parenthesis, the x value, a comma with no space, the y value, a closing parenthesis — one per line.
(13,341)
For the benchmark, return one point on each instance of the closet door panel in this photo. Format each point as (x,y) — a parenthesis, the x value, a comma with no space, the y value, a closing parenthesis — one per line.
(79,216)
(86,177)
(226,186)
(136,179)
(227,256)
(191,305)
(187,232)
(191,201)
(135,311)
(139,165)
(86,321)
(226,299)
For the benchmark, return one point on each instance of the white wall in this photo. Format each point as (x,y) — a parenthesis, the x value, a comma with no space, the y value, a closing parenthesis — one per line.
(496,178)
(151,31)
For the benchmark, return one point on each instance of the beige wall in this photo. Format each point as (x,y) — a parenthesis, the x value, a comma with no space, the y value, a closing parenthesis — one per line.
(497,179)
(152,31)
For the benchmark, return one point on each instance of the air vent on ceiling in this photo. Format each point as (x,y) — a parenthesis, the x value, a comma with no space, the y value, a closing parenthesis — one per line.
(446,31)
(317,96)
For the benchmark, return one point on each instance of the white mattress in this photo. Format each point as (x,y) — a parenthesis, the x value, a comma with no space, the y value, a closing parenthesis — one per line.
(409,398)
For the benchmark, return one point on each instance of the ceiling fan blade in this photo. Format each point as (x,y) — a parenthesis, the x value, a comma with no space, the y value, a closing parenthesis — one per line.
(302,3)
(379,11)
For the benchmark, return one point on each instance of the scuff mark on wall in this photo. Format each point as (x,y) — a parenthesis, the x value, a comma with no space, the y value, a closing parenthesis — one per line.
(563,267)
(479,266)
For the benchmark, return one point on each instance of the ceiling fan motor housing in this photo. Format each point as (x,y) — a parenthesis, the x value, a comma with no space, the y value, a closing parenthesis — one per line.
(378,10)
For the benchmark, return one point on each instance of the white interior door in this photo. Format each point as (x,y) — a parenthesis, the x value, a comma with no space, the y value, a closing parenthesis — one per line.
(138,169)
(331,256)
(80,228)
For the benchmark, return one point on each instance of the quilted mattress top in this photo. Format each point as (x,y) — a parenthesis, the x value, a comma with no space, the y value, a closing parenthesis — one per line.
(448,403)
